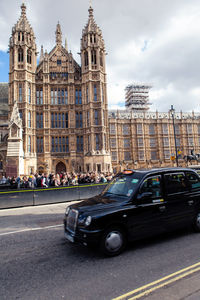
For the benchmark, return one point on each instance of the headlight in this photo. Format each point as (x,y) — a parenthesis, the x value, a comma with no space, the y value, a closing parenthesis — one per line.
(88,221)
(67,211)
(84,221)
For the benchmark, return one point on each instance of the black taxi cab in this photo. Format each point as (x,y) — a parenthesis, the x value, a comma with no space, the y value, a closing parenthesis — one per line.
(134,205)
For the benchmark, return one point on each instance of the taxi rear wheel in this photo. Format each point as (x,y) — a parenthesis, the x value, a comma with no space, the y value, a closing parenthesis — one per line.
(113,241)
(197,222)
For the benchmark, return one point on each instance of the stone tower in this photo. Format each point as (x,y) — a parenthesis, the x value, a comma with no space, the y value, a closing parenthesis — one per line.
(23,60)
(63,105)
(97,154)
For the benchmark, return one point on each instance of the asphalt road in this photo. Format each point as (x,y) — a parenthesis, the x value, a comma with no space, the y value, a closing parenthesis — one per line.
(36,262)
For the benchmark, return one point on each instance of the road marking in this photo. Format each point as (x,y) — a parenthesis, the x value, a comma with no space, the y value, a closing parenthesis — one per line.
(31,229)
(143,291)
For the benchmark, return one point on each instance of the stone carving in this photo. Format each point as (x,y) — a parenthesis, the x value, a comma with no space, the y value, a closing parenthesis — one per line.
(15,117)
(124,114)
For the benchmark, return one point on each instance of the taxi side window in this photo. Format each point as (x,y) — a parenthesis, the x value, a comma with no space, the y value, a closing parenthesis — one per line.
(193,179)
(152,185)
(175,183)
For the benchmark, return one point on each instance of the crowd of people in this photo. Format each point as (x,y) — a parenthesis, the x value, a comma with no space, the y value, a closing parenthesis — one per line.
(50,180)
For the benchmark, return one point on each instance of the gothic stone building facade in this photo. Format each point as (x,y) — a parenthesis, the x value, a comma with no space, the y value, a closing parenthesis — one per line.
(63,106)
(65,123)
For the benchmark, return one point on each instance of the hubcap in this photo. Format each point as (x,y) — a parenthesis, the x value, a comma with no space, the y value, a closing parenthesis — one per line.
(198,220)
(113,241)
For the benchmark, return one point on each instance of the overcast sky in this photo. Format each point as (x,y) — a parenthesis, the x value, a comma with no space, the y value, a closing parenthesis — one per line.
(148,41)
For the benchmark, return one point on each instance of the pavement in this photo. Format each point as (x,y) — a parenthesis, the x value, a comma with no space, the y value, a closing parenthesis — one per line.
(187,288)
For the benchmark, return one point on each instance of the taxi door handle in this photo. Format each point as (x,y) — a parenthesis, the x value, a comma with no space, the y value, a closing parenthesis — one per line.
(162,208)
(191,202)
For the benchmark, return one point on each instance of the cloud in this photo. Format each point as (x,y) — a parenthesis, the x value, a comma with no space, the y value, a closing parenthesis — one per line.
(152,41)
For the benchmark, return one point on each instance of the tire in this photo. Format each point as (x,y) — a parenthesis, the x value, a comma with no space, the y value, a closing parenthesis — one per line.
(196,223)
(113,241)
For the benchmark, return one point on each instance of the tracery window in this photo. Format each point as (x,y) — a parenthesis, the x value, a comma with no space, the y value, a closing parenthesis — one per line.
(95,92)
(88,118)
(165,128)
(60,144)
(79,120)
(97,141)
(94,57)
(39,120)
(151,129)
(59,120)
(20,55)
(101,59)
(127,155)
(114,155)
(96,117)
(113,143)
(29,143)
(20,92)
(29,119)
(126,129)
(29,94)
(39,96)
(126,143)
(78,96)
(139,129)
(86,58)
(79,143)
(59,96)
(112,129)
(29,56)
(40,145)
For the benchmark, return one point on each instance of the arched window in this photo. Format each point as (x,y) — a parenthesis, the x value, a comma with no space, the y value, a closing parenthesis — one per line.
(101,59)
(86,58)
(29,94)
(20,55)
(18,36)
(20,92)
(94,57)
(29,56)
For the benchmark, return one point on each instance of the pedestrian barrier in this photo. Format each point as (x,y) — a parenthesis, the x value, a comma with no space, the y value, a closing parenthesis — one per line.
(10,198)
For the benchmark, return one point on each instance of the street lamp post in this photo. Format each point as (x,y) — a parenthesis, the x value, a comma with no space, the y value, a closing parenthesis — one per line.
(172,111)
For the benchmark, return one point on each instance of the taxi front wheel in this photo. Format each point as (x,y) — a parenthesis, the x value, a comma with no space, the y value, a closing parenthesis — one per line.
(113,241)
(197,222)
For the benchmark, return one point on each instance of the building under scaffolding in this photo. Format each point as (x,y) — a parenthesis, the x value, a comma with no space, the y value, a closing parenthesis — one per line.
(137,97)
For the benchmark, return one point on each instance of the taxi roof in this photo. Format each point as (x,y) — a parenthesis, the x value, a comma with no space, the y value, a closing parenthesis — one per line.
(155,170)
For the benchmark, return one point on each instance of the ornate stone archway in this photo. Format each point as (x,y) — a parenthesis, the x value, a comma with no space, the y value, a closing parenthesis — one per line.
(60,167)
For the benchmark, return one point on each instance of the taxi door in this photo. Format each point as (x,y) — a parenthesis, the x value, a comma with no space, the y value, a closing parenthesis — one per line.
(179,206)
(147,216)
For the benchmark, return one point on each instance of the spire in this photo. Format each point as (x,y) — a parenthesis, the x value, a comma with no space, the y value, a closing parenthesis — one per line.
(90,10)
(23,8)
(66,47)
(91,25)
(58,34)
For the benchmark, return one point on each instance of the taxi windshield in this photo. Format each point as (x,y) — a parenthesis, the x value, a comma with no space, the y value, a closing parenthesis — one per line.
(122,186)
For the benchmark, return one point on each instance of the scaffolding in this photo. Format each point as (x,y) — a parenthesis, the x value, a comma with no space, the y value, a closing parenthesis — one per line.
(137,97)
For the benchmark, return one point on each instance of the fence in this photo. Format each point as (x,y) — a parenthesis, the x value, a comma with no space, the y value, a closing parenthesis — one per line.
(10,198)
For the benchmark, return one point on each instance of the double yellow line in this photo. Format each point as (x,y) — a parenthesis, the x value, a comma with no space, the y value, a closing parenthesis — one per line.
(153,286)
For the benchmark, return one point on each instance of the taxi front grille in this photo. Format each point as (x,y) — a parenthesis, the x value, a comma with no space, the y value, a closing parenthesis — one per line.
(72,220)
